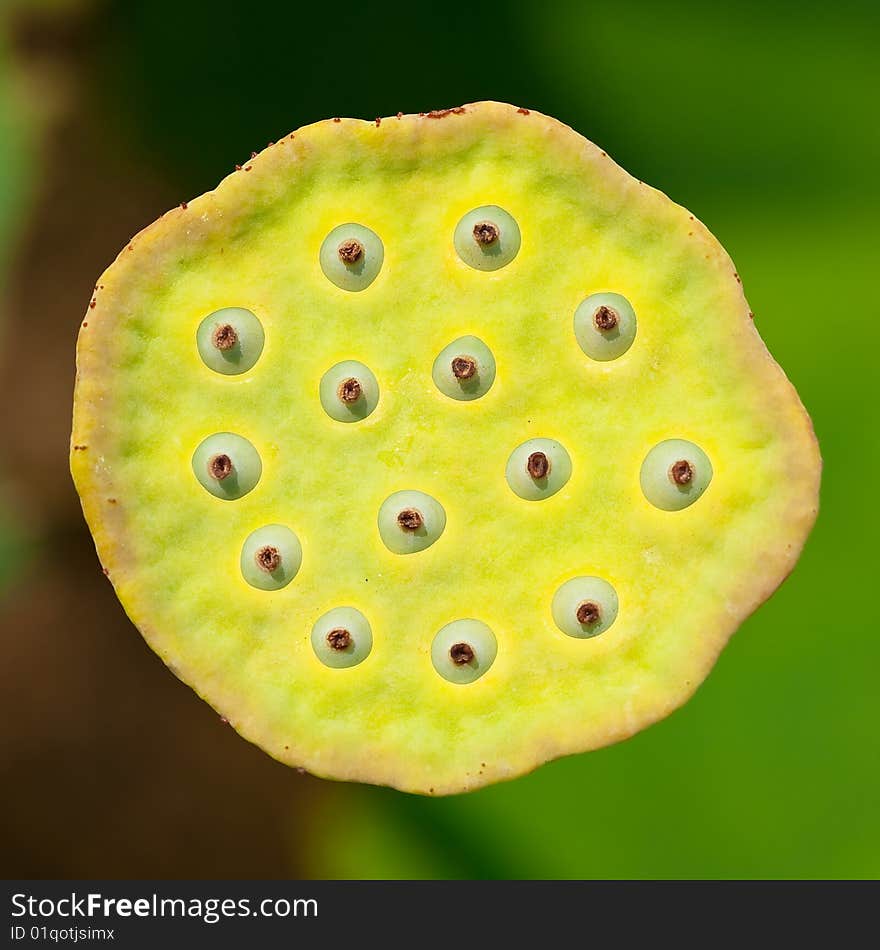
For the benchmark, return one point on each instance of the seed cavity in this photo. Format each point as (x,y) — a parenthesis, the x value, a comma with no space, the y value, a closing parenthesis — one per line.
(605,318)
(339,639)
(464,367)
(605,326)
(584,607)
(230,341)
(349,390)
(486,233)
(351,257)
(220,467)
(461,653)
(674,474)
(268,559)
(350,251)
(681,472)
(410,519)
(588,612)
(487,238)
(224,337)
(463,650)
(538,468)
(538,465)
(271,557)
(342,638)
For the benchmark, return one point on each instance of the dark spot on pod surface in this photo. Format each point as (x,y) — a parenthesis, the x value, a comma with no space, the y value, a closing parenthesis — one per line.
(588,612)
(486,233)
(538,465)
(268,558)
(349,390)
(464,367)
(681,472)
(339,639)
(220,467)
(461,653)
(410,519)
(351,251)
(224,337)
(605,318)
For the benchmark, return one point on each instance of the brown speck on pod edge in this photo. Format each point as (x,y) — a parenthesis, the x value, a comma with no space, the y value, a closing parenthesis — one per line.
(268,558)
(378,122)
(461,653)
(336,119)
(220,467)
(736,278)
(681,472)
(486,233)
(604,154)
(464,367)
(111,501)
(538,465)
(224,337)
(523,111)
(350,251)
(269,144)
(224,720)
(349,390)
(92,304)
(253,154)
(410,519)
(399,115)
(751,315)
(105,571)
(299,769)
(247,168)
(131,247)
(238,168)
(80,448)
(606,318)
(339,639)
(442,113)
(85,323)
(184,205)
(588,612)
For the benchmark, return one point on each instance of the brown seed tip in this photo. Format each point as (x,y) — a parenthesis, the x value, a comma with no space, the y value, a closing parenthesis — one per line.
(220,467)
(351,251)
(588,612)
(681,472)
(410,519)
(606,318)
(538,465)
(461,653)
(268,559)
(486,233)
(224,337)
(464,367)
(349,390)
(339,639)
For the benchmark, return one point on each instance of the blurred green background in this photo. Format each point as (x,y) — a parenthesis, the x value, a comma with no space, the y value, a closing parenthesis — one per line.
(759,117)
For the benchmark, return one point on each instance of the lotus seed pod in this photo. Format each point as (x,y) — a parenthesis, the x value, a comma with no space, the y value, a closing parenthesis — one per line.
(430,509)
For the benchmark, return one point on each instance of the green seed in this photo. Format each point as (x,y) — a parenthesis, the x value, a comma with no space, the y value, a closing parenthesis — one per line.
(674,474)
(351,256)
(410,521)
(487,238)
(270,557)
(465,369)
(227,465)
(584,607)
(538,468)
(342,637)
(349,391)
(463,650)
(230,341)
(605,326)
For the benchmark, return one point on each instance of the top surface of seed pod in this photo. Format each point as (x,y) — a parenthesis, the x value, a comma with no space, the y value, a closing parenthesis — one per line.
(269,241)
